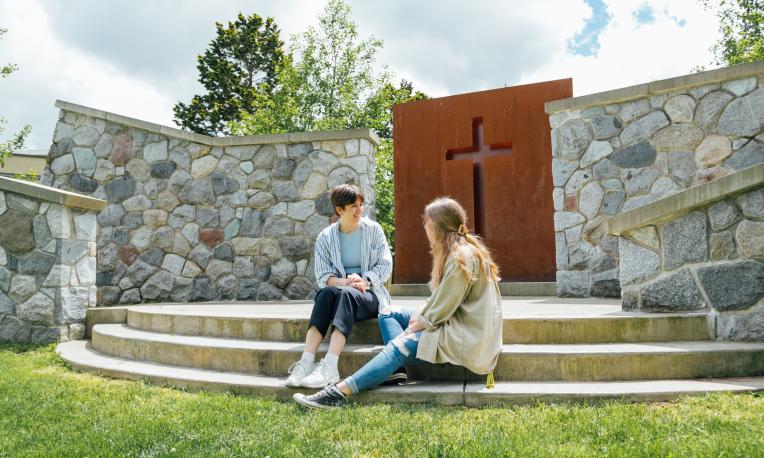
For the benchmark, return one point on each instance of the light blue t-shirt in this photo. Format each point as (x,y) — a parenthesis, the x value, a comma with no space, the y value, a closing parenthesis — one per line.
(350,250)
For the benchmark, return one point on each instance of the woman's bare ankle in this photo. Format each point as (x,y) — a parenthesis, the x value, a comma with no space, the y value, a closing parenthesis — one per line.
(342,386)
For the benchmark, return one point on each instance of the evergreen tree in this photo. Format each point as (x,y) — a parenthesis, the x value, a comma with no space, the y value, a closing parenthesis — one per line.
(238,70)
(328,82)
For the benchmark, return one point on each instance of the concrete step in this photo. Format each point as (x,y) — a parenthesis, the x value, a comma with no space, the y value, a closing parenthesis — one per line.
(82,357)
(270,358)
(267,322)
(630,361)
(519,362)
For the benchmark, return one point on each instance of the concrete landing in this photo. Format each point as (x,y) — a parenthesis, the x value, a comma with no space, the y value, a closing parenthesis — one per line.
(507,289)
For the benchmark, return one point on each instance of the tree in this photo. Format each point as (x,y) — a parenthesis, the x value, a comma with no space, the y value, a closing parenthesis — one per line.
(328,82)
(336,73)
(238,69)
(32,175)
(741,24)
(275,113)
(382,123)
(16,141)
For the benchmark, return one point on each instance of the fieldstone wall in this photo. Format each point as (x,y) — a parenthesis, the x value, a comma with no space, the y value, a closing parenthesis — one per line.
(712,257)
(196,218)
(47,267)
(612,157)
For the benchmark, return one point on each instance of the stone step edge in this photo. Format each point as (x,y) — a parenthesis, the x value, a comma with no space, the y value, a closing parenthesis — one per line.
(81,357)
(517,330)
(116,315)
(122,331)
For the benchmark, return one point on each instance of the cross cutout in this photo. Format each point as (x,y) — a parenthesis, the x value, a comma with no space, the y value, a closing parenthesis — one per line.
(477,153)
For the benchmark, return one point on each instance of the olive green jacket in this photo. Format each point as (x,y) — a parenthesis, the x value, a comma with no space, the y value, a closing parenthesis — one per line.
(463,322)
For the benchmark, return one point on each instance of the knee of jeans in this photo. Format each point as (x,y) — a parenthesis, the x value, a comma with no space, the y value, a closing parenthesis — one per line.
(389,311)
(400,342)
(390,349)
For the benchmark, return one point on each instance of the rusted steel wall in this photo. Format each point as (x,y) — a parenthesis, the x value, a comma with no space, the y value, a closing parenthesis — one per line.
(518,209)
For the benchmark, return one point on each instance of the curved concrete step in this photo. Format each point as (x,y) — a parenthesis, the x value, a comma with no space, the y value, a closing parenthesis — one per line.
(241,325)
(630,361)
(258,322)
(81,357)
(582,362)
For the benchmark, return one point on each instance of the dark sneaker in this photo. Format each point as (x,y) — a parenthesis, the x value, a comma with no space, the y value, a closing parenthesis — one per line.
(399,377)
(328,398)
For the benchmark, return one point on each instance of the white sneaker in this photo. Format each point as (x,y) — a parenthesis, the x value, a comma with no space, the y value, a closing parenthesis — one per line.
(298,371)
(322,376)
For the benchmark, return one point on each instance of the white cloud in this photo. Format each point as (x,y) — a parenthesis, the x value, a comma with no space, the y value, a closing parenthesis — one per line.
(137,57)
(632,53)
(50,71)
(77,60)
(454,46)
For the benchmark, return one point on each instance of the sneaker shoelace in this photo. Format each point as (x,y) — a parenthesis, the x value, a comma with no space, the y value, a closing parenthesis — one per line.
(294,366)
(331,392)
(319,366)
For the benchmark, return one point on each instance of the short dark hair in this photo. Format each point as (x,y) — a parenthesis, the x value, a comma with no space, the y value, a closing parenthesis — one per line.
(345,194)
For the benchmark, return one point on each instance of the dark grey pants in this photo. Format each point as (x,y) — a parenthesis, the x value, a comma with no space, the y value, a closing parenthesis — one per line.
(341,307)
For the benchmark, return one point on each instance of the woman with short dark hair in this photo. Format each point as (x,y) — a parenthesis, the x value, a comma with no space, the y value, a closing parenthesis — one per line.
(353,262)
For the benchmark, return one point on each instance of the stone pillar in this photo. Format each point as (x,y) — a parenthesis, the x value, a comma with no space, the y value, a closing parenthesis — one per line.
(623,149)
(47,262)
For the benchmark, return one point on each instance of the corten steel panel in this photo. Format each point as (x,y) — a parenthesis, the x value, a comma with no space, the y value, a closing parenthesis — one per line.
(518,210)
(458,184)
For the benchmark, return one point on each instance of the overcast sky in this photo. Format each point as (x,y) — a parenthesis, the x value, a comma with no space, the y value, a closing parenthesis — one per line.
(138,57)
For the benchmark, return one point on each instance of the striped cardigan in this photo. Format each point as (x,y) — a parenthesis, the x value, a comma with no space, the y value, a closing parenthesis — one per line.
(376,260)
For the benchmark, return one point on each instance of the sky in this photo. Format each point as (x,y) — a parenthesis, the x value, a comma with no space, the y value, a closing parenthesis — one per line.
(138,58)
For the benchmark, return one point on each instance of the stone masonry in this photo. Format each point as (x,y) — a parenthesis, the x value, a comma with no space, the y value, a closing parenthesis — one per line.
(197,218)
(711,258)
(47,263)
(618,151)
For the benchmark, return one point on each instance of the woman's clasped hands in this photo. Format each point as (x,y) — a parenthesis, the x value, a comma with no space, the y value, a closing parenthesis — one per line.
(355,281)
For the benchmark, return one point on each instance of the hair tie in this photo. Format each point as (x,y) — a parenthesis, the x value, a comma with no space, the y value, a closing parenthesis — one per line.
(462,229)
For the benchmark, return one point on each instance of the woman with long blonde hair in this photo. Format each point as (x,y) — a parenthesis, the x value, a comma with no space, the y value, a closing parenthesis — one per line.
(460,323)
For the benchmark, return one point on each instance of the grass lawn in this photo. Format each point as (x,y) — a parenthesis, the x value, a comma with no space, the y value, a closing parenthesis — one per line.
(48,410)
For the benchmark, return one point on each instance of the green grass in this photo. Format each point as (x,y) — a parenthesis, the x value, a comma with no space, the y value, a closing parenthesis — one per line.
(48,410)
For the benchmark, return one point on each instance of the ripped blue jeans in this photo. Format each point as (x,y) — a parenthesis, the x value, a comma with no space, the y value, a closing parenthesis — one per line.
(399,350)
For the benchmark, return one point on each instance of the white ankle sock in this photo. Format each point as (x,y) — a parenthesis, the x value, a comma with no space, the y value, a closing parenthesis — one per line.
(308,357)
(331,359)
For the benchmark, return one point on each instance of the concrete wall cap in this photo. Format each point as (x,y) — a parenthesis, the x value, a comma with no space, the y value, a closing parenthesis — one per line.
(687,200)
(656,87)
(48,194)
(294,137)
